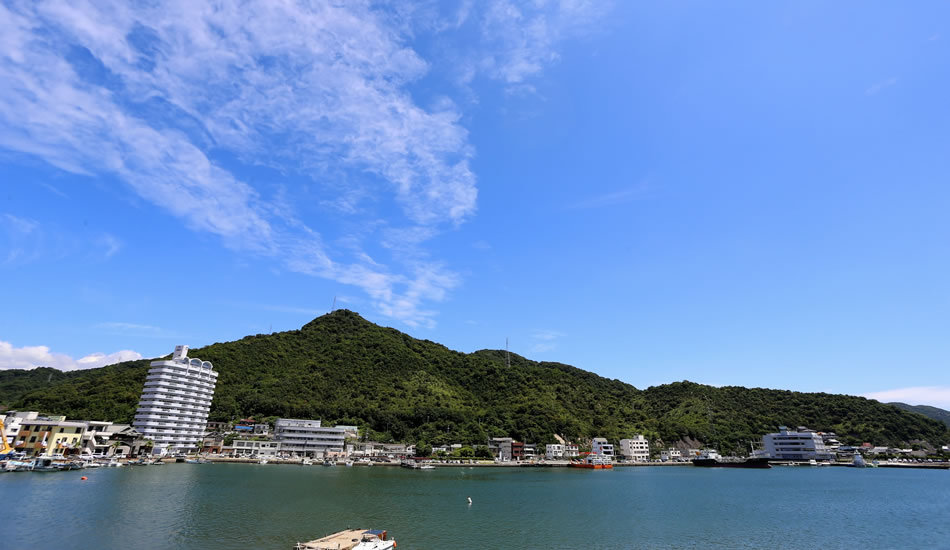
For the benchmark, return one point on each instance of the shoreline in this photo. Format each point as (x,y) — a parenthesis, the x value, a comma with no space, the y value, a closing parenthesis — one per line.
(551,464)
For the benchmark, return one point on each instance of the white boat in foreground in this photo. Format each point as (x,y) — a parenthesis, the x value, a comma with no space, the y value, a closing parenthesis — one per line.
(352,539)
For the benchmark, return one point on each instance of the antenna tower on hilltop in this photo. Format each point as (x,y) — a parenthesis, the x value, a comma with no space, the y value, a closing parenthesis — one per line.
(507,355)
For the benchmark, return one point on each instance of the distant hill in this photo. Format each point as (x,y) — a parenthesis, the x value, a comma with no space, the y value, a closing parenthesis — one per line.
(343,369)
(926,410)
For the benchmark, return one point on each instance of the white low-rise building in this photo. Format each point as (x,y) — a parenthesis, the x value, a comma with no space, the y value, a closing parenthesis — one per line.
(599,446)
(309,438)
(253,447)
(554,451)
(671,454)
(801,444)
(636,449)
(11,424)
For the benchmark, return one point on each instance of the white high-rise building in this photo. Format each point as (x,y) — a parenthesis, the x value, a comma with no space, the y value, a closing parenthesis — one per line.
(173,410)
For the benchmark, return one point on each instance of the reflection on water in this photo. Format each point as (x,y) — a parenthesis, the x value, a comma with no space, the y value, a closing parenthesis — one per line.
(242,506)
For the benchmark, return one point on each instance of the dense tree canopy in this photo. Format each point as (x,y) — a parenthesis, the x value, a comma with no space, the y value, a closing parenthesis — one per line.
(343,369)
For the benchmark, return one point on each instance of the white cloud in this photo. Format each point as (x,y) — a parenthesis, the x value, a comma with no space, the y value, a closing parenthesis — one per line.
(880,86)
(524,36)
(29,357)
(935,396)
(545,340)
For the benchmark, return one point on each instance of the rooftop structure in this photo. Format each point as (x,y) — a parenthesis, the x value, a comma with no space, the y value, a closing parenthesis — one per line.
(173,409)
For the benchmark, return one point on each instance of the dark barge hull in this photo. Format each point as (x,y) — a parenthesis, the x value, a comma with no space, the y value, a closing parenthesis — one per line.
(747,463)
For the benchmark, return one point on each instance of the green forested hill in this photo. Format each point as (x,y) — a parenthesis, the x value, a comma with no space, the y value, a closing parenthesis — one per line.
(344,369)
(926,410)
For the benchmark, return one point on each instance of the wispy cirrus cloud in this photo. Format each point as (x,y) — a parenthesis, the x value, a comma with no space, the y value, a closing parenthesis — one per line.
(29,357)
(20,235)
(545,340)
(24,240)
(525,35)
(153,94)
(935,396)
(610,199)
(125,329)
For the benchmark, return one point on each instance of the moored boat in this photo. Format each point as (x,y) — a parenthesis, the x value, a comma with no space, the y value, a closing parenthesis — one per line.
(711,459)
(352,539)
(594,462)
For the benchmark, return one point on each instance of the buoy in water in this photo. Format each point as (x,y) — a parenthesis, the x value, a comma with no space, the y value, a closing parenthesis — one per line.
(469,500)
(84,478)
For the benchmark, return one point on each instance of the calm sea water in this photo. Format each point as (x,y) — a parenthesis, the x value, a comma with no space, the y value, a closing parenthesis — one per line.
(242,506)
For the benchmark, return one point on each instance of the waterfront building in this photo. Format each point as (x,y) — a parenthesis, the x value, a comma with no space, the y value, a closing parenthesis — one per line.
(530,451)
(517,450)
(253,447)
(212,443)
(308,438)
(636,449)
(571,450)
(801,444)
(50,436)
(11,424)
(500,447)
(599,446)
(218,427)
(554,451)
(176,398)
(352,432)
(672,454)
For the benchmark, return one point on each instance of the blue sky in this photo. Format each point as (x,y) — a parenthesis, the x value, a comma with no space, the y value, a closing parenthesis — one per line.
(735,193)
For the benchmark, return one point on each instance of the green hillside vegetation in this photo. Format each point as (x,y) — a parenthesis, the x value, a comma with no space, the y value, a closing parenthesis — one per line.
(926,410)
(343,369)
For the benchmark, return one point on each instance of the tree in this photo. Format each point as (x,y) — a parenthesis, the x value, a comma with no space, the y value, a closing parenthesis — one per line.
(423,449)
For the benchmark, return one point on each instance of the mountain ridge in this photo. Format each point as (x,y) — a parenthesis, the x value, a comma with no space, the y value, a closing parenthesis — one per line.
(344,369)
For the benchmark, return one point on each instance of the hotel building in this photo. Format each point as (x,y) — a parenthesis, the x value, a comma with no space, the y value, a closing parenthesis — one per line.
(173,409)
(309,438)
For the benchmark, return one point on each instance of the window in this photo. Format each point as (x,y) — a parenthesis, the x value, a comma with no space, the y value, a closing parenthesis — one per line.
(33,439)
